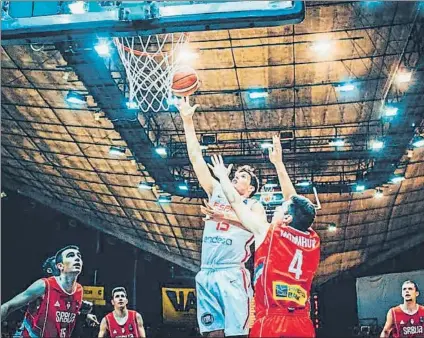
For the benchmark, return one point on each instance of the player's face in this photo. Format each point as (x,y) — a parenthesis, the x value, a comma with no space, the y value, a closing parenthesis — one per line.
(119,300)
(409,293)
(71,261)
(241,183)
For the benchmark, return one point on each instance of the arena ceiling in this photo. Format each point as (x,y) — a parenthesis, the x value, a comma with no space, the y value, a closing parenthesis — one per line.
(59,154)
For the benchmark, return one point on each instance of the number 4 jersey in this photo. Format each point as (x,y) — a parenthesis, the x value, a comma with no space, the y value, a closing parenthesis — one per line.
(285,265)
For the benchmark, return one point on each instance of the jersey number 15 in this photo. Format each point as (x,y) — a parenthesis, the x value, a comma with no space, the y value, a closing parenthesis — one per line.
(223,226)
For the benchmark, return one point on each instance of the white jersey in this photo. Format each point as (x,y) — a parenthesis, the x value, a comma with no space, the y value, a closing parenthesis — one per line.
(224,244)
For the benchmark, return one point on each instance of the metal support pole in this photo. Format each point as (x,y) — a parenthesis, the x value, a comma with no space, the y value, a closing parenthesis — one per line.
(134,293)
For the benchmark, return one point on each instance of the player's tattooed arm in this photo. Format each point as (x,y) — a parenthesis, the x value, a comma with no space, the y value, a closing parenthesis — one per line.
(140,325)
(193,146)
(34,291)
(103,328)
(249,219)
(276,158)
(387,329)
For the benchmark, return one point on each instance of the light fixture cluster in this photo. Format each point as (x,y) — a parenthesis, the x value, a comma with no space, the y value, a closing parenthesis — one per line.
(332,227)
(77,98)
(78,7)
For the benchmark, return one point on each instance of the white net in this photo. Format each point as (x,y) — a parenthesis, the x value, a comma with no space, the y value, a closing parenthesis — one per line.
(150,62)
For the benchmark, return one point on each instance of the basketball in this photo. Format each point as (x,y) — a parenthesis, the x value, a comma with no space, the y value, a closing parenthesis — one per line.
(185,82)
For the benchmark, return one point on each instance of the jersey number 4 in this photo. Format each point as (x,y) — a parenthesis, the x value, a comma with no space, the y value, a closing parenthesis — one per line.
(296,264)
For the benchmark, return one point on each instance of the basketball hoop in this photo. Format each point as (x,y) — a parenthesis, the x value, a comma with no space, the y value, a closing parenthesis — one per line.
(266,194)
(150,62)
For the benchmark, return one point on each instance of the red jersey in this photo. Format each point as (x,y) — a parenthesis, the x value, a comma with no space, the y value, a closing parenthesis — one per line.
(128,330)
(55,313)
(406,325)
(285,265)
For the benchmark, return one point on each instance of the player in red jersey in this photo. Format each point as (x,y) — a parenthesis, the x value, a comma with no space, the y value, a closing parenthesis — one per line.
(58,298)
(407,319)
(286,258)
(121,323)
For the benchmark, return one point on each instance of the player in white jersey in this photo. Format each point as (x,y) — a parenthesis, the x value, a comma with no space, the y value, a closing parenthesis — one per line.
(223,284)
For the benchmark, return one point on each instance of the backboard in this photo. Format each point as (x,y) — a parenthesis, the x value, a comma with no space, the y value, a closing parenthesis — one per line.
(50,21)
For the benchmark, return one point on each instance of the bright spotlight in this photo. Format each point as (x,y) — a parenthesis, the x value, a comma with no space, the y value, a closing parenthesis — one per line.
(347,87)
(270,184)
(132,105)
(102,48)
(258,94)
(397,179)
(145,186)
(322,46)
(360,187)
(161,151)
(304,183)
(390,111)
(266,145)
(164,199)
(377,145)
(183,186)
(78,7)
(117,151)
(336,143)
(332,227)
(403,77)
(187,55)
(418,141)
(75,97)
(378,194)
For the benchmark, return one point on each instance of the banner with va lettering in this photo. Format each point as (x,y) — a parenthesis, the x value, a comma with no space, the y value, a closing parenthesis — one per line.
(179,305)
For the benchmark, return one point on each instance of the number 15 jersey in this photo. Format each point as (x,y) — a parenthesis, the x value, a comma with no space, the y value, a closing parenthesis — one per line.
(225,244)
(285,265)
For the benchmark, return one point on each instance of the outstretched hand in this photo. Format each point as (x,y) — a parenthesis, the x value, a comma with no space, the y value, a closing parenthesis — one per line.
(276,153)
(185,109)
(92,320)
(218,167)
(212,213)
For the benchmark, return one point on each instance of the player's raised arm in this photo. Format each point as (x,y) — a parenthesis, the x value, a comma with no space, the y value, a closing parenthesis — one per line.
(34,291)
(388,326)
(249,219)
(193,146)
(276,158)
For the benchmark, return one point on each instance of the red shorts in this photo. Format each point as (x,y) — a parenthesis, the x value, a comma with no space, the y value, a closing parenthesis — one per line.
(282,326)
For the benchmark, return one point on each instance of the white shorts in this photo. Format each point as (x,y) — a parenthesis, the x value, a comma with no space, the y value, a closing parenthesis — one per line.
(223,300)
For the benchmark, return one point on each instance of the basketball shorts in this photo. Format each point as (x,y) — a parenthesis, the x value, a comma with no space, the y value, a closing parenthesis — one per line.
(283,326)
(223,300)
